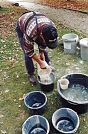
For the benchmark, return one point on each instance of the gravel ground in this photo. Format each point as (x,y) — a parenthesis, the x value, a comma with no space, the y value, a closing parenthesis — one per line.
(74,19)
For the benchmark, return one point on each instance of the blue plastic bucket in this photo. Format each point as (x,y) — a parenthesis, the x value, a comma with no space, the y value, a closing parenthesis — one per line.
(36,124)
(65,121)
(36,102)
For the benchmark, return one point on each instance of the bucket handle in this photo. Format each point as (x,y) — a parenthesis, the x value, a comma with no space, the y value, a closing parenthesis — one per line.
(73,103)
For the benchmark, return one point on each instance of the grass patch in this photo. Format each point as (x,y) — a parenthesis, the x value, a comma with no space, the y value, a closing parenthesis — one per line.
(14,82)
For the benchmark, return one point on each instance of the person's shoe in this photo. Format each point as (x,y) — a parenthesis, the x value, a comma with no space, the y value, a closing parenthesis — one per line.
(32,79)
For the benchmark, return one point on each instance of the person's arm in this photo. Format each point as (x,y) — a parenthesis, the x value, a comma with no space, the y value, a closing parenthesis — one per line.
(42,57)
(29,50)
(39,61)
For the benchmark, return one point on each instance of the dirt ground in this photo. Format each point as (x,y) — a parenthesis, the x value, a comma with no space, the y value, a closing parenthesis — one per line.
(76,20)
(72,4)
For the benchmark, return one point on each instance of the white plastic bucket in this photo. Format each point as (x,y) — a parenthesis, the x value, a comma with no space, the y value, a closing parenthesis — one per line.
(84,48)
(64,83)
(70,41)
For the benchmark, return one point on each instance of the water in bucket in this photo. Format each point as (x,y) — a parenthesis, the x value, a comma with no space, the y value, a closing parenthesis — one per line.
(37,129)
(64,124)
(76,92)
(35,105)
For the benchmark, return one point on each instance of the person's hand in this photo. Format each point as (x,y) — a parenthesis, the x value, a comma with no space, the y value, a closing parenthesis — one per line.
(43,64)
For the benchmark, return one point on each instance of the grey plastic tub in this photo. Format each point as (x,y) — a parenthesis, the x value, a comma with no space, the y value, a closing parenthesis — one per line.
(70,42)
(84,48)
(36,102)
(80,105)
(65,121)
(36,124)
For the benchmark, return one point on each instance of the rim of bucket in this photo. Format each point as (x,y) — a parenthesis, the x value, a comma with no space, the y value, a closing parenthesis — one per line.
(36,116)
(81,42)
(73,39)
(71,101)
(49,82)
(68,109)
(39,106)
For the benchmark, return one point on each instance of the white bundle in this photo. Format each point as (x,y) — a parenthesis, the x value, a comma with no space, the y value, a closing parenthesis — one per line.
(45,79)
(44,74)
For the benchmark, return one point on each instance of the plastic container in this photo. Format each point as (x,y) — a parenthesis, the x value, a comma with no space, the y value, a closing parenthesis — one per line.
(36,124)
(47,87)
(65,121)
(84,48)
(64,83)
(70,42)
(76,96)
(36,102)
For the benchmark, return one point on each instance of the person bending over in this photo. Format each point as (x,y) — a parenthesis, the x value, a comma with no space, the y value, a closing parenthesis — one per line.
(35,28)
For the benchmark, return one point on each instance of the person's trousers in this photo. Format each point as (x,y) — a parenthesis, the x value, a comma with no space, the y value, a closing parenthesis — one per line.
(28,60)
